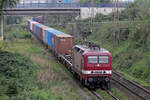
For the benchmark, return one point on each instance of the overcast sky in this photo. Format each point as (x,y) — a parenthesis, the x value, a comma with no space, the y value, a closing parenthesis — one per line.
(126,0)
(43,1)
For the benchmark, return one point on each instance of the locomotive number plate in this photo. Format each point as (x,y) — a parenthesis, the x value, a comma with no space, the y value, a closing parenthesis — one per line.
(97,72)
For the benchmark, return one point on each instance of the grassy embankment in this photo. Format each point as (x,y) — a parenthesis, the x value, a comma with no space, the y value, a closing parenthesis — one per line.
(43,80)
(129,57)
(39,76)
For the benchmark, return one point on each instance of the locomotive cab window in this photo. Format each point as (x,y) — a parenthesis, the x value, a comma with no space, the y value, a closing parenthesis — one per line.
(92,59)
(76,49)
(103,59)
(98,59)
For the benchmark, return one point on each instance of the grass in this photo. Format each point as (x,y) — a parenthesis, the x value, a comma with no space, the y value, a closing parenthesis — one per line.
(142,82)
(120,95)
(127,57)
(50,81)
(115,92)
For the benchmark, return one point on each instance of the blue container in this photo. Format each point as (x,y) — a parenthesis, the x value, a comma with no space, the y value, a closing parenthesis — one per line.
(46,37)
(36,29)
(49,35)
(54,32)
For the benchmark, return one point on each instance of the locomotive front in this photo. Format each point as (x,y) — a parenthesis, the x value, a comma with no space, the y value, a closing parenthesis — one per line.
(95,66)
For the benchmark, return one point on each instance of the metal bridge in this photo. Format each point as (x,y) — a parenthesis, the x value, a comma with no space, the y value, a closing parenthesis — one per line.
(43,9)
(46,8)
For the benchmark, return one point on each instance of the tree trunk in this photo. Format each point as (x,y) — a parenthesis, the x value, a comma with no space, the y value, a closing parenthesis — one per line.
(2,27)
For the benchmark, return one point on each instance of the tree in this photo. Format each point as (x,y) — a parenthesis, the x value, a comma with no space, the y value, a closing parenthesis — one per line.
(85,32)
(4,4)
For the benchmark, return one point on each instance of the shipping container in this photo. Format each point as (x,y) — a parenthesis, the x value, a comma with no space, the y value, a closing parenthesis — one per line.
(40,31)
(57,41)
(44,34)
(32,26)
(36,29)
(54,33)
(50,34)
(63,44)
(46,37)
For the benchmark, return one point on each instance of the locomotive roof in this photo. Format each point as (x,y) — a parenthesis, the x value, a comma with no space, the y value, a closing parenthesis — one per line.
(87,49)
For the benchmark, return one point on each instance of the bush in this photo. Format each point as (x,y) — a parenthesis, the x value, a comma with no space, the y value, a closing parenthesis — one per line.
(15,71)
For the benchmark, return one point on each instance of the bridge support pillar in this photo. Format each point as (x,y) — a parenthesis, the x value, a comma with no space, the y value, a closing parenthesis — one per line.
(2,28)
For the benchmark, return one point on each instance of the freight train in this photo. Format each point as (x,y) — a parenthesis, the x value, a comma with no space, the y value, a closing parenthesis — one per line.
(91,64)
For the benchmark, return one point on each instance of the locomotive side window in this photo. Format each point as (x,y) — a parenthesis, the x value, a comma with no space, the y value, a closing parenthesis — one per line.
(76,49)
(103,59)
(92,59)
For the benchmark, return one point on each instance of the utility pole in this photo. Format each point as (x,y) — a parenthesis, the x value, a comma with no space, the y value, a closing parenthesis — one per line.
(116,20)
(92,16)
(2,26)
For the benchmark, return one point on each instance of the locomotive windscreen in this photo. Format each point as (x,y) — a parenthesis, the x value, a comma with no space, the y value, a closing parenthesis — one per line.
(92,59)
(98,59)
(103,59)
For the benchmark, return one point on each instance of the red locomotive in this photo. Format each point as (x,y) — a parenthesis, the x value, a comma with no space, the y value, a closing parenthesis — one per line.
(90,63)
(93,65)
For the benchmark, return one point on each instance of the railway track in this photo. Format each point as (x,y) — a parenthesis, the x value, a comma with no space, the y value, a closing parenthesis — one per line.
(101,98)
(133,87)
(111,94)
(97,95)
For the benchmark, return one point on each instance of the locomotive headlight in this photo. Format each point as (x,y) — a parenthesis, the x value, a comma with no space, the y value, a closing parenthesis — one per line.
(108,72)
(90,79)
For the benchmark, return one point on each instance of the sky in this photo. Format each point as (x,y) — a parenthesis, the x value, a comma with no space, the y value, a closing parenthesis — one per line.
(43,1)
(126,0)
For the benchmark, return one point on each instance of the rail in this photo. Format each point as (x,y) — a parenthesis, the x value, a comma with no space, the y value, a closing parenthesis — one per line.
(111,94)
(68,60)
(97,95)
(133,87)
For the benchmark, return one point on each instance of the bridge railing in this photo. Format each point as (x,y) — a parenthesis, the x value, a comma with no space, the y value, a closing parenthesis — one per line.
(69,5)
(48,5)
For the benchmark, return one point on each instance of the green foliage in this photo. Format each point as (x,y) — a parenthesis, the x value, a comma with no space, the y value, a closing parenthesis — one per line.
(14,19)
(131,55)
(5,3)
(18,32)
(16,71)
(47,82)
(1,45)
(137,10)
(38,94)
(119,94)
(102,18)
(85,32)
